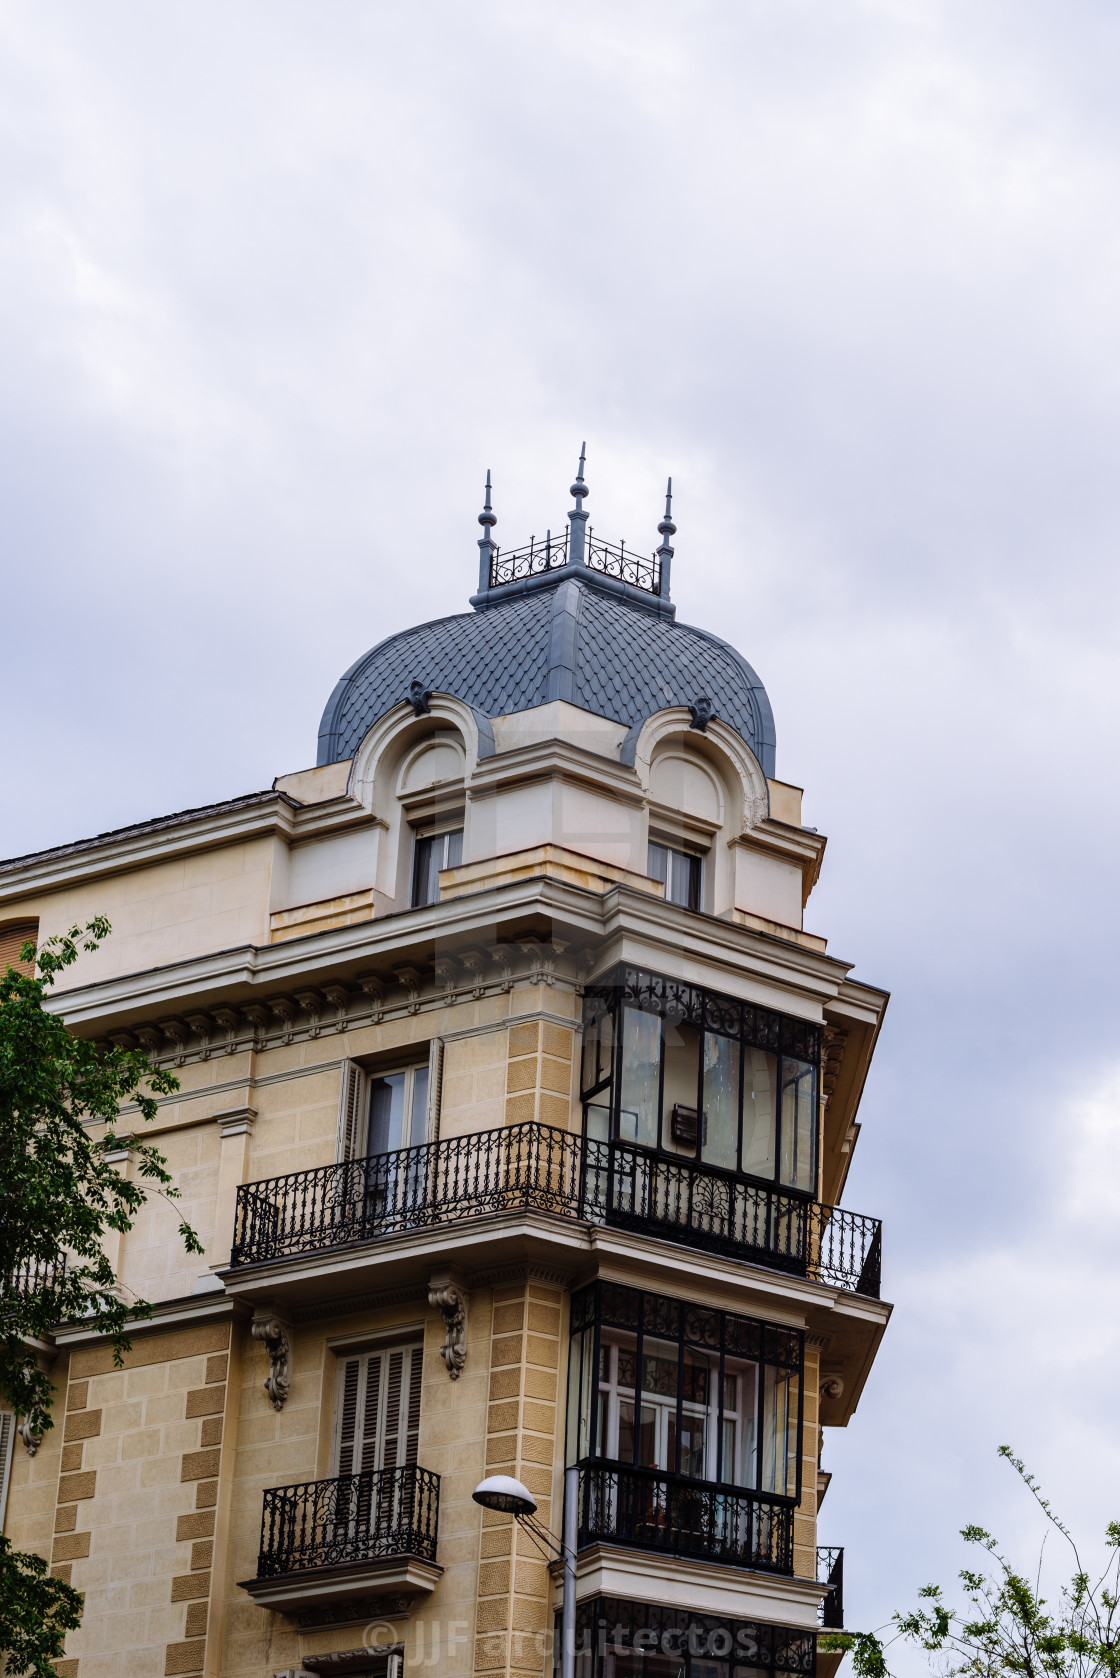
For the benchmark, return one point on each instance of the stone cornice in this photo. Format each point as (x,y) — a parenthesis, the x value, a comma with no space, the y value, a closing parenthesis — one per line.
(361,964)
(254,816)
(543,760)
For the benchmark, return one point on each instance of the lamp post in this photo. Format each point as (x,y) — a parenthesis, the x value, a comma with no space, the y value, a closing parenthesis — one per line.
(503,1493)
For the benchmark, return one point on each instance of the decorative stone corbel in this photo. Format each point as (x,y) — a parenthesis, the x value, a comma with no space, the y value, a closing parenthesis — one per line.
(152,1039)
(31,1440)
(411,979)
(585,961)
(447,972)
(257,1015)
(374,988)
(476,962)
(272,1332)
(502,954)
(202,1026)
(177,1032)
(543,957)
(451,1299)
(312,1004)
(285,1010)
(339,998)
(229,1020)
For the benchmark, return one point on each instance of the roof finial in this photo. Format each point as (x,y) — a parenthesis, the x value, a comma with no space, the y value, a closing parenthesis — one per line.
(577,518)
(664,553)
(487,547)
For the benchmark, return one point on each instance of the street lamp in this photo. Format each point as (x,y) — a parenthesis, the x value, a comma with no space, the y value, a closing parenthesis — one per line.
(510,1497)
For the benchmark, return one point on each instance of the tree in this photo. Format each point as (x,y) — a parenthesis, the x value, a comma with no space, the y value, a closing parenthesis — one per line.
(60,1193)
(1008,1629)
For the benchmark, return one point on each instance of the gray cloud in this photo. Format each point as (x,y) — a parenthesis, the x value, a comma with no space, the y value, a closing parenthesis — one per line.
(280,283)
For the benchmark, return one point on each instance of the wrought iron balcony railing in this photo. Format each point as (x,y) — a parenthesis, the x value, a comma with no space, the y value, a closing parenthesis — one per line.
(552,555)
(357,1517)
(643,1509)
(830,1572)
(33,1276)
(535,1167)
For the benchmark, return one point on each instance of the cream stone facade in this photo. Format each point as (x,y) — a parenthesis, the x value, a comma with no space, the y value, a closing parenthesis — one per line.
(516,1103)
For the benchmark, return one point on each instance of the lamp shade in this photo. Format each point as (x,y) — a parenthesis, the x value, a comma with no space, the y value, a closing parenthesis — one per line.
(508,1495)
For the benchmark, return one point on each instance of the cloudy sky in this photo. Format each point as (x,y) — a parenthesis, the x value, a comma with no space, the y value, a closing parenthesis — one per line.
(280,281)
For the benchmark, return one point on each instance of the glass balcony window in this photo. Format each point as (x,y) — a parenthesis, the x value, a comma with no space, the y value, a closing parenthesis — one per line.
(621,1639)
(695,1074)
(655,1383)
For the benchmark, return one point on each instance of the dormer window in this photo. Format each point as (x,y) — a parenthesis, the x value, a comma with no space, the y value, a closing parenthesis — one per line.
(433,852)
(680,872)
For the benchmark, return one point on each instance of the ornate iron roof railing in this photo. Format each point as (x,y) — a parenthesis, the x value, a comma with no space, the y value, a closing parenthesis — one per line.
(830,1572)
(532,561)
(647,1510)
(609,559)
(535,1167)
(357,1517)
(631,568)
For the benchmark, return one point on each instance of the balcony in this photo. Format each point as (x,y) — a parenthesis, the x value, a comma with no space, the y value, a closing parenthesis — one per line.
(646,1510)
(536,1168)
(830,1572)
(335,1546)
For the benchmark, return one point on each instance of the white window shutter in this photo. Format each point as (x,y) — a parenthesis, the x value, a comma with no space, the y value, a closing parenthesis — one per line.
(7,1444)
(351,1111)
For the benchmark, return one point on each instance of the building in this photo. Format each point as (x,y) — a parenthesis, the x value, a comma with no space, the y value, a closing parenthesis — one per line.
(515,1108)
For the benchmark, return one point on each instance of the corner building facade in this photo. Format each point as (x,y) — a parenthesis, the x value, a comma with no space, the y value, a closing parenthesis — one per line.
(516,1108)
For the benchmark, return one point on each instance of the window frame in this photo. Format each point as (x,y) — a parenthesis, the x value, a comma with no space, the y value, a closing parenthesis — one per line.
(789,1039)
(697,871)
(444,828)
(645,1314)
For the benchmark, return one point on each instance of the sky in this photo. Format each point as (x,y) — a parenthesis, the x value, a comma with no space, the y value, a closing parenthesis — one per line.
(281,281)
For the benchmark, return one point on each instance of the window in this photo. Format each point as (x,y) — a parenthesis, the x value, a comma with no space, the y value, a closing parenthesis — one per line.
(688,1072)
(431,853)
(678,871)
(12,939)
(377,1410)
(398,1110)
(658,1384)
(620,1639)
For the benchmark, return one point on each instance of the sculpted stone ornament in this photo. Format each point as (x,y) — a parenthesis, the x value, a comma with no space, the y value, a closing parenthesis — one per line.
(32,1441)
(452,1302)
(276,1343)
(420,698)
(702,712)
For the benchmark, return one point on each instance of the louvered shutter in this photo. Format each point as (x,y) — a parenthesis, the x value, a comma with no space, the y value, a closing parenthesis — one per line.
(351,1111)
(12,939)
(378,1416)
(7,1445)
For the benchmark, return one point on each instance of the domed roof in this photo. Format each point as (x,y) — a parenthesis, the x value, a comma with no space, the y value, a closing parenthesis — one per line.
(586,623)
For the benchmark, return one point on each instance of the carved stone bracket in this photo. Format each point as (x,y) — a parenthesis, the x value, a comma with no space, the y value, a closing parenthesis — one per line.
(452,1301)
(230,1021)
(501,954)
(374,988)
(285,1010)
(202,1026)
(272,1332)
(476,962)
(411,979)
(447,972)
(339,998)
(31,1440)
